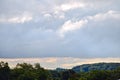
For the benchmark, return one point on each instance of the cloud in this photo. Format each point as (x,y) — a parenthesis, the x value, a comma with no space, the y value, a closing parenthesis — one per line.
(16,19)
(60,10)
(77,28)
(107,15)
(47,15)
(70,5)
(70,26)
(58,15)
(54,62)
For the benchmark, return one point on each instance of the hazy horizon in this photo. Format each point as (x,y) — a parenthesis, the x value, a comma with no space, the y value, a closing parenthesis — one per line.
(59,62)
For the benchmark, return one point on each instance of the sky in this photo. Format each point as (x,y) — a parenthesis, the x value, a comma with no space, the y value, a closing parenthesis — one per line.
(60,28)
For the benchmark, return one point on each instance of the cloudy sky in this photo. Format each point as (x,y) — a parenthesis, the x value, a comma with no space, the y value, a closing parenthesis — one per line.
(60,28)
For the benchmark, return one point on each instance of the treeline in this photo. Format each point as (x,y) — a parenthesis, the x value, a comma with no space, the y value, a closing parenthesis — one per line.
(26,71)
(96,66)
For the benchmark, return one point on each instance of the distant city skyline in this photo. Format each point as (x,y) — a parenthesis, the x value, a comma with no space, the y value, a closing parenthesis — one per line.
(60,28)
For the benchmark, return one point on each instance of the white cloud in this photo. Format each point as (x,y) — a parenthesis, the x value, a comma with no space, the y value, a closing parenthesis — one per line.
(47,15)
(59,10)
(58,14)
(20,19)
(103,16)
(17,19)
(70,6)
(69,26)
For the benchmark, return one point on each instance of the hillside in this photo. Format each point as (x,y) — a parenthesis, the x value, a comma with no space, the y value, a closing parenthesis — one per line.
(96,66)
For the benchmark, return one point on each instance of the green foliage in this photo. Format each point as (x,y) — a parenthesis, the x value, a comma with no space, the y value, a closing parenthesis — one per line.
(69,75)
(4,71)
(82,78)
(26,71)
(96,66)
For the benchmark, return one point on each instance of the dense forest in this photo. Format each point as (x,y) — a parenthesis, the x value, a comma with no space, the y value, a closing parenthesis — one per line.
(25,71)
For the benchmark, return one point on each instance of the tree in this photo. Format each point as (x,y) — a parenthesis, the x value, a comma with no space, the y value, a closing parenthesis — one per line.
(4,71)
(41,73)
(65,75)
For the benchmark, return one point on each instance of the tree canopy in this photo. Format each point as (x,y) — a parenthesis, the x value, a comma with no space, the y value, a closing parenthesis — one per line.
(25,71)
